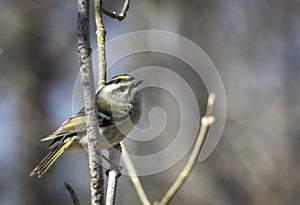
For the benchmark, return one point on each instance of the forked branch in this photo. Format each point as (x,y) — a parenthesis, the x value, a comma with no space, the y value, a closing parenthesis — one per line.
(206,122)
(120,16)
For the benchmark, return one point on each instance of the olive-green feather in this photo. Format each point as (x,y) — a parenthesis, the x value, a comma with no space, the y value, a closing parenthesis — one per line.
(75,124)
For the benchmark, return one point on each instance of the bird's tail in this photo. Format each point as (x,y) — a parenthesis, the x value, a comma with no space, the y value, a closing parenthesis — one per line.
(55,153)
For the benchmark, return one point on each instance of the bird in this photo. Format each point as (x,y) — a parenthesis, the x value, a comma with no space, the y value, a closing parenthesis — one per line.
(119,106)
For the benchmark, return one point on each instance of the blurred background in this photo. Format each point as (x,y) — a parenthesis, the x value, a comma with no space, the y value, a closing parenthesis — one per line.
(255,46)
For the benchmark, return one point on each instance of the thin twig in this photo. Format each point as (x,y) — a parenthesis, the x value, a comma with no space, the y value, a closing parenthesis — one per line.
(113,173)
(119,16)
(72,193)
(87,80)
(133,176)
(206,121)
(100,33)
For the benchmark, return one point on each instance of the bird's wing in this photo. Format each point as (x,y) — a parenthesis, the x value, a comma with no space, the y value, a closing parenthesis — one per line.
(71,126)
(77,124)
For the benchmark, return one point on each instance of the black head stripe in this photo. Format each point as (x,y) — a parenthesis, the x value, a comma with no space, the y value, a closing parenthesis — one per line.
(119,78)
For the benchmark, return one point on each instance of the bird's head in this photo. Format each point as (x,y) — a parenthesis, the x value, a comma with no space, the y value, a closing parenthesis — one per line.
(119,92)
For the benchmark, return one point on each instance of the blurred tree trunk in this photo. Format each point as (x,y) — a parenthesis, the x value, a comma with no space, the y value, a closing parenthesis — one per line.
(34,79)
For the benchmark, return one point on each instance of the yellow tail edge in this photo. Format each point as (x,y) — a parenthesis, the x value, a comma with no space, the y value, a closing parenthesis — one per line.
(49,160)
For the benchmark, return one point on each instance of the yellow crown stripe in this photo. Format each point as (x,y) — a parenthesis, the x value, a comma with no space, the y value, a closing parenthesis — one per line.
(126,77)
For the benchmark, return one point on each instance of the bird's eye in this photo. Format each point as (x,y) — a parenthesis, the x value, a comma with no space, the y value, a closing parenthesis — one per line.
(122,88)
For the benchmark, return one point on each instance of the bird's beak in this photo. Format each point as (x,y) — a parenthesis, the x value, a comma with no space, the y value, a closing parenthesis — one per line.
(134,88)
(138,83)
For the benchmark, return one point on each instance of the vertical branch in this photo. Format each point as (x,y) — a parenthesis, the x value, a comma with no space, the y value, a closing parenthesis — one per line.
(100,32)
(86,71)
(111,187)
(115,152)
(206,121)
(114,173)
